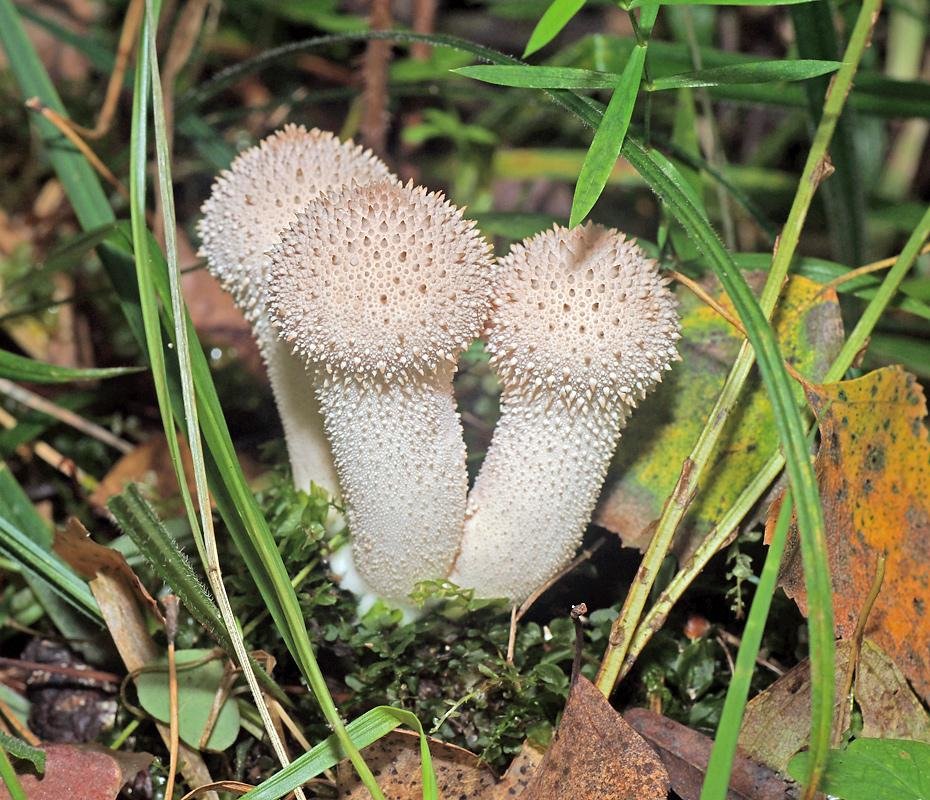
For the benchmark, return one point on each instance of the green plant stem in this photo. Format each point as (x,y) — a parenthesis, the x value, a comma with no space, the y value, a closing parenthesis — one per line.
(820,619)
(204,533)
(723,531)
(717,777)
(9,778)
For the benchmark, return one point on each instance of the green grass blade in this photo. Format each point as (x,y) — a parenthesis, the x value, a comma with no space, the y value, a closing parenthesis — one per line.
(367,729)
(531,77)
(755,72)
(608,139)
(19,368)
(556,17)
(717,778)
(136,518)
(843,196)
(9,779)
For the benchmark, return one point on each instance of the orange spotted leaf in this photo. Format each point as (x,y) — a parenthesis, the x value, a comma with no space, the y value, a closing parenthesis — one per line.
(873,468)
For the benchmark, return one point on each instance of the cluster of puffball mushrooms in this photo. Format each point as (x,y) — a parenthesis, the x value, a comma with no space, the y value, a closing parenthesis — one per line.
(363,291)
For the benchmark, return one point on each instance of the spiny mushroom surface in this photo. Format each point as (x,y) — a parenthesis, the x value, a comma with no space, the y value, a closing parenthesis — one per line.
(584,327)
(250,204)
(379,288)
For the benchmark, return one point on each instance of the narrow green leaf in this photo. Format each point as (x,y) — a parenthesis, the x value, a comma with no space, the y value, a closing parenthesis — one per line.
(557,16)
(365,730)
(19,749)
(608,140)
(717,777)
(755,72)
(19,368)
(136,518)
(42,563)
(532,77)
(8,778)
(77,247)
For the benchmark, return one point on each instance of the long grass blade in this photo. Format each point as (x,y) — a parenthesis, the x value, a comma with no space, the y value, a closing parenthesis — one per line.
(717,778)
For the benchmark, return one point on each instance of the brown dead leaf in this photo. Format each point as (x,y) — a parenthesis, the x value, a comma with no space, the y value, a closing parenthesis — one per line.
(130,634)
(89,559)
(518,774)
(685,753)
(596,755)
(395,762)
(150,463)
(874,469)
(88,772)
(889,707)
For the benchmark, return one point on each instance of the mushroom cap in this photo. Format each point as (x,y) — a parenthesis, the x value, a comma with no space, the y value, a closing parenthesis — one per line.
(381,280)
(253,200)
(584,314)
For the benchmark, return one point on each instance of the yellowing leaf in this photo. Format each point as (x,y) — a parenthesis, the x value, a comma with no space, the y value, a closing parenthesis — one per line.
(874,473)
(661,433)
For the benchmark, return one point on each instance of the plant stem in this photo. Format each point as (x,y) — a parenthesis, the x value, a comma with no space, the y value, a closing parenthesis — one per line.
(720,535)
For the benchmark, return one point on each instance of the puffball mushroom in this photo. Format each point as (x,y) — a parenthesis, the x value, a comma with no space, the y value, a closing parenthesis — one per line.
(583,327)
(379,288)
(249,205)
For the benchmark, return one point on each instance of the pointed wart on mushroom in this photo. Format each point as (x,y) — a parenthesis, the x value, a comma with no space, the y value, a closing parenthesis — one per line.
(249,205)
(583,327)
(379,288)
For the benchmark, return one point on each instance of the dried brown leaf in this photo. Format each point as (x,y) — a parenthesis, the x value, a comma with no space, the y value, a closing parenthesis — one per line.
(395,762)
(889,707)
(596,755)
(88,772)
(685,753)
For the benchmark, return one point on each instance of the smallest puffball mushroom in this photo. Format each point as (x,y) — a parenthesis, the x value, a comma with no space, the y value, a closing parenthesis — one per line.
(584,327)
(379,288)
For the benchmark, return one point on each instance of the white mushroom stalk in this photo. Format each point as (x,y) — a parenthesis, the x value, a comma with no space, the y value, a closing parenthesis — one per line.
(379,288)
(583,328)
(250,204)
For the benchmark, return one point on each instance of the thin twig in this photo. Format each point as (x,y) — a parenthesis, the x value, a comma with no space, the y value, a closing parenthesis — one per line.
(847,694)
(578,611)
(170,602)
(124,48)
(52,457)
(583,556)
(374,125)
(45,406)
(64,126)
(512,635)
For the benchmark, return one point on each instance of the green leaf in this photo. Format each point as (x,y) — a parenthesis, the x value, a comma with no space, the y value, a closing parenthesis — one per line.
(136,519)
(873,769)
(608,140)
(19,368)
(754,72)
(19,749)
(364,730)
(532,77)
(809,333)
(200,677)
(26,540)
(557,16)
(77,247)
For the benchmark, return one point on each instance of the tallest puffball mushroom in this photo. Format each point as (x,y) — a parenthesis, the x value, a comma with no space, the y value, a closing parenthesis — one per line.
(379,288)
(583,328)
(250,204)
